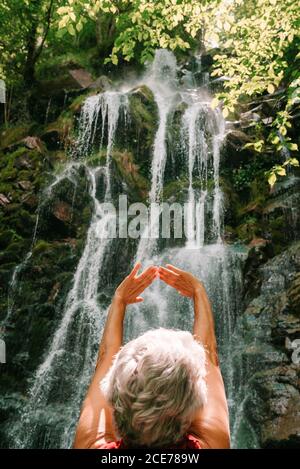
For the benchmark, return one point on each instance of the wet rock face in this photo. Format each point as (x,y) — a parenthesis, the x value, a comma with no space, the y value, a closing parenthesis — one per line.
(44,278)
(270,363)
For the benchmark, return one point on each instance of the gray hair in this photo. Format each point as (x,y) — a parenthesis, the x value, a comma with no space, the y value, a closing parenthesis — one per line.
(155,385)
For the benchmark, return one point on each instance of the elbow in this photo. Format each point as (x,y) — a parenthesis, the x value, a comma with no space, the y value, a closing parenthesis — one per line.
(223,440)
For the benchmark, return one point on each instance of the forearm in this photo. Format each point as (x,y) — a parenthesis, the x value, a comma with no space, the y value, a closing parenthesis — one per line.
(211,423)
(95,418)
(204,329)
(112,337)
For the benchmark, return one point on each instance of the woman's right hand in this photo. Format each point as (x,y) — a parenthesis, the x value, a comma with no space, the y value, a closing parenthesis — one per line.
(184,282)
(133,285)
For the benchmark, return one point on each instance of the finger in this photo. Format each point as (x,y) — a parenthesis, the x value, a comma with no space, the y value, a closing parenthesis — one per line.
(152,269)
(145,282)
(141,285)
(138,299)
(168,280)
(174,269)
(168,272)
(135,270)
(184,293)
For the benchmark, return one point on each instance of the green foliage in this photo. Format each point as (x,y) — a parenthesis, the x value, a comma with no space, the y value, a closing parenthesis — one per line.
(279,170)
(258,52)
(143,25)
(24,29)
(255,45)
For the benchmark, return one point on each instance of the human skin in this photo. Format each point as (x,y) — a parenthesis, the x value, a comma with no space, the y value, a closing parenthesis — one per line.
(211,423)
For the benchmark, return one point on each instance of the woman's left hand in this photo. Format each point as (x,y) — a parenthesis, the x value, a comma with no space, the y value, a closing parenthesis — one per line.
(133,285)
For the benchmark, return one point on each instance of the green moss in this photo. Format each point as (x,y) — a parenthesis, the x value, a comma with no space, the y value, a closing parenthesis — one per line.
(41,247)
(97,159)
(5,187)
(10,170)
(12,135)
(141,114)
(176,189)
(7,237)
(86,214)
(77,103)
(250,229)
(129,172)
(58,64)
(63,125)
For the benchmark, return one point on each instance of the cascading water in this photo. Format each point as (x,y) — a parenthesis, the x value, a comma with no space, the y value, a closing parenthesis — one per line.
(78,332)
(162,80)
(61,380)
(202,135)
(106,105)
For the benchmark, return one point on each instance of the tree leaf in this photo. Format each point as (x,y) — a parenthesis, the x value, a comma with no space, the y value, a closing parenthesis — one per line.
(71,30)
(272,179)
(215,102)
(225,112)
(281,171)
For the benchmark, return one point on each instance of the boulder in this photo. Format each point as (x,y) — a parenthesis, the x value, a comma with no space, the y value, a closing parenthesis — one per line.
(266,360)
(4,200)
(62,211)
(102,83)
(25,185)
(81,77)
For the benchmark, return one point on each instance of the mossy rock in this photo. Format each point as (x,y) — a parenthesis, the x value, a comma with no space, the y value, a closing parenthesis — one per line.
(7,237)
(248,230)
(21,159)
(129,173)
(13,135)
(6,271)
(78,102)
(56,133)
(18,246)
(97,159)
(143,108)
(175,191)
(41,247)
(20,220)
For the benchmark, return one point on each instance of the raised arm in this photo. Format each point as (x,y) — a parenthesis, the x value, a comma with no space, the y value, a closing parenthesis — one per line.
(210,424)
(95,425)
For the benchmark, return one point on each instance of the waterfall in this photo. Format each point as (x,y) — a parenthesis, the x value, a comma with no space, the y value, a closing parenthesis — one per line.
(59,384)
(108,106)
(162,80)
(78,331)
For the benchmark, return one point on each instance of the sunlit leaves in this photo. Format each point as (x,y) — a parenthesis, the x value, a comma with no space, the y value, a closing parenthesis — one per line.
(256,146)
(271,88)
(280,170)
(252,55)
(143,25)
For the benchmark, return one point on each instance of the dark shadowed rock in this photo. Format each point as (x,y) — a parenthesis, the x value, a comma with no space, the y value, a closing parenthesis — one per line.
(25,185)
(4,200)
(269,325)
(82,77)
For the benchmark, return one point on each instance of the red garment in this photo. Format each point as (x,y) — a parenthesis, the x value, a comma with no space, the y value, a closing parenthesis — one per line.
(188,442)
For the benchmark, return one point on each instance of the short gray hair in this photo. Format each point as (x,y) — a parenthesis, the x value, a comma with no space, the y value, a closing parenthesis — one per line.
(155,385)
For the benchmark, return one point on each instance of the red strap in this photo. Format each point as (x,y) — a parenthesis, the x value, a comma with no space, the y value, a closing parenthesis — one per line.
(189,441)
